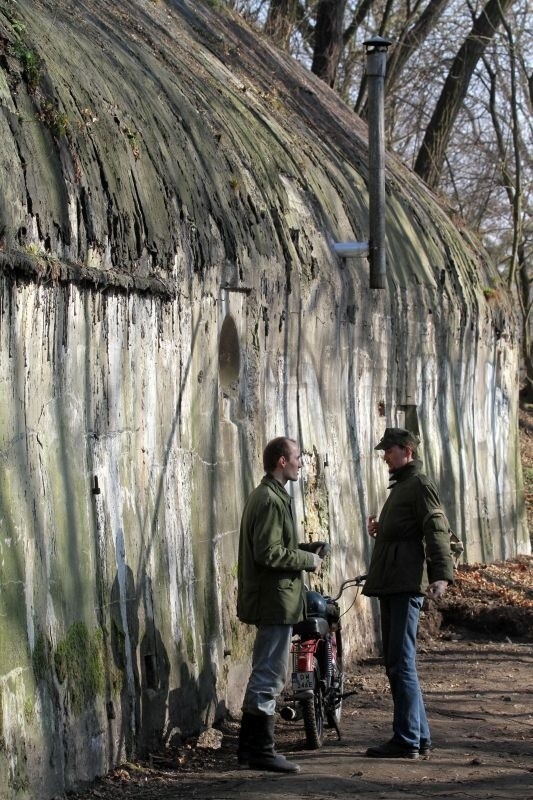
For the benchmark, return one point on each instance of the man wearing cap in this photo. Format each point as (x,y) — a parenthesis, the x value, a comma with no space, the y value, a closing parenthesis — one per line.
(411,559)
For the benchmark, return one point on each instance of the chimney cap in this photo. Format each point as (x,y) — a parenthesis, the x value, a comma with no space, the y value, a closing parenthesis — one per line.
(377,43)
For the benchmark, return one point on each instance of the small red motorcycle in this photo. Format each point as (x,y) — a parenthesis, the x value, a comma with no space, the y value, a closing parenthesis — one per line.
(316,693)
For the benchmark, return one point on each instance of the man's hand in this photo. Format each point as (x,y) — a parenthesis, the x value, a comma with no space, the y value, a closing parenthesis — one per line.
(318,563)
(437,589)
(372,526)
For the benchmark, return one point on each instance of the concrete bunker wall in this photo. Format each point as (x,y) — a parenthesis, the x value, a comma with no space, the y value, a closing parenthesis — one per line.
(125,466)
(169,301)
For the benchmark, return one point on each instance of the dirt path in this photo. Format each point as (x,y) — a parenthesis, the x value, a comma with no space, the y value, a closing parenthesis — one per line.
(480,701)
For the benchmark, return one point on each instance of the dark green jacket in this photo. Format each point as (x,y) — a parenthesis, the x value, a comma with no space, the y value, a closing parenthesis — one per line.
(270,582)
(412,546)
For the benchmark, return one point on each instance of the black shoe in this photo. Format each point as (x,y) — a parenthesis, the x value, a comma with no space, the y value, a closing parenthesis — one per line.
(392,749)
(425,748)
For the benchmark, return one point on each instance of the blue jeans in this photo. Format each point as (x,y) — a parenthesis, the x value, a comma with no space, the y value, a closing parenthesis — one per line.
(400,614)
(270,661)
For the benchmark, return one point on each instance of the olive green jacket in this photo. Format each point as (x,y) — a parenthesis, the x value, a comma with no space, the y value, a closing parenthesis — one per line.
(270,581)
(412,546)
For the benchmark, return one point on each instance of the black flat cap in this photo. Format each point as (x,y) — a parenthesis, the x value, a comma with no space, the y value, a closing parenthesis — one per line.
(399,436)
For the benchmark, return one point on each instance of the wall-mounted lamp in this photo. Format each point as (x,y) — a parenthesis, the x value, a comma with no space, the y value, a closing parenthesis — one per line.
(348,249)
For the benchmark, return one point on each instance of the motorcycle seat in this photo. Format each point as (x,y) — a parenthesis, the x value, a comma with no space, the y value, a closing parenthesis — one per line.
(311,627)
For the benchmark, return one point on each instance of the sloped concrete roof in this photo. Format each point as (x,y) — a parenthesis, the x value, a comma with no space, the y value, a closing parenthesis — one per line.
(141,132)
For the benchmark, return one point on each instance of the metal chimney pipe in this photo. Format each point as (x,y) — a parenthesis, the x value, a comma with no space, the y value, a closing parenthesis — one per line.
(376,51)
(376,63)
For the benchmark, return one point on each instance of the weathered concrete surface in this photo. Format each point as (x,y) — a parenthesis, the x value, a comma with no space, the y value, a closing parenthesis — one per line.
(168,302)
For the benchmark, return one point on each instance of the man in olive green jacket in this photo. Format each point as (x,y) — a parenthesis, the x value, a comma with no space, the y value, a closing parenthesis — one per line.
(270,596)
(411,558)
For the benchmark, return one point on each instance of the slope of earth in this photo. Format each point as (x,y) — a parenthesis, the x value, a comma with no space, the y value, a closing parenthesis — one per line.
(479,689)
(492,599)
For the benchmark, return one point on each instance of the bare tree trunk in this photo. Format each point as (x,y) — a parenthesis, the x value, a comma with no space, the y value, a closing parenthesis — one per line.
(430,159)
(361,102)
(519,268)
(328,39)
(525,289)
(518,275)
(361,12)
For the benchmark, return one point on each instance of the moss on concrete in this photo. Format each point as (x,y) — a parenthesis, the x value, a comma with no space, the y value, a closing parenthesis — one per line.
(189,645)
(79,661)
(42,658)
(242,641)
(29,711)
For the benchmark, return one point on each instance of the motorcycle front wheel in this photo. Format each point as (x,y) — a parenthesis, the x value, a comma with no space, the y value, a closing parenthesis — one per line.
(313,713)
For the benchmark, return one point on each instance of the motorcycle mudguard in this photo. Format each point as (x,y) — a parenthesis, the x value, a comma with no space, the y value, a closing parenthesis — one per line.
(304,654)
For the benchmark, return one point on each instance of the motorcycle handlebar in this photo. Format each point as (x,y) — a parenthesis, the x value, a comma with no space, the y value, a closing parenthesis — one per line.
(358,581)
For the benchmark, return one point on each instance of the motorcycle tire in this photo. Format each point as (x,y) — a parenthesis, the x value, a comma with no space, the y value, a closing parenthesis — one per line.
(313,713)
(334,708)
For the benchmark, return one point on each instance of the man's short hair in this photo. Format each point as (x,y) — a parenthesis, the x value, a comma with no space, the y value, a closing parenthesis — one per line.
(274,450)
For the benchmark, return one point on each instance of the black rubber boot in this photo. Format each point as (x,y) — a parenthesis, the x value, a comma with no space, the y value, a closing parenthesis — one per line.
(261,747)
(246,730)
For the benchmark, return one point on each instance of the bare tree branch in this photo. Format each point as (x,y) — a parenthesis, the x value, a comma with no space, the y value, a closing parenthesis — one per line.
(280,21)
(360,13)
(411,39)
